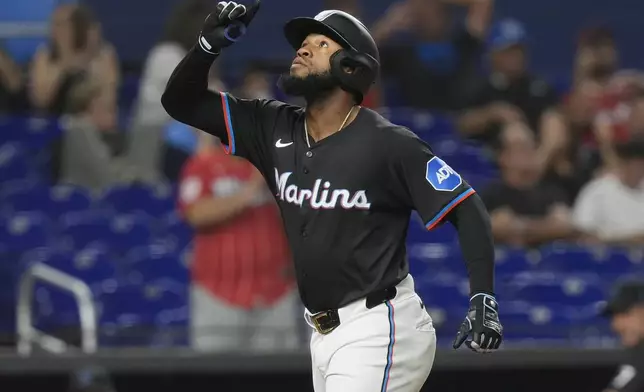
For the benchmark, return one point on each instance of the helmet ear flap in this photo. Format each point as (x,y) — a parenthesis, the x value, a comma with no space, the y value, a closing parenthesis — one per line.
(362,71)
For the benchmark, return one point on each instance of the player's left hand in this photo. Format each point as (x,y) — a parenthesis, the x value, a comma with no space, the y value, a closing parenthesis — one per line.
(481,325)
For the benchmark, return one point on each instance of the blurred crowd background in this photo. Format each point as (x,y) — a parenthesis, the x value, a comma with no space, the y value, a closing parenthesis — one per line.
(539,105)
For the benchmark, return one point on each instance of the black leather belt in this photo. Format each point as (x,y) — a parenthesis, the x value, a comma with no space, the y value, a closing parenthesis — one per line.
(325,322)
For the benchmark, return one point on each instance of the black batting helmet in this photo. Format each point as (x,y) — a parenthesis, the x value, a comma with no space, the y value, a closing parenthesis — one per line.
(359,49)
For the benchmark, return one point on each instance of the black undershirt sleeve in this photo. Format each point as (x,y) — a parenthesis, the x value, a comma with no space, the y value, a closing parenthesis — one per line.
(472,222)
(187,99)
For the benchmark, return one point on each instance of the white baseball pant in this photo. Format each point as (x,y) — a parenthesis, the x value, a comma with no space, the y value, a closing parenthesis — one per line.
(389,348)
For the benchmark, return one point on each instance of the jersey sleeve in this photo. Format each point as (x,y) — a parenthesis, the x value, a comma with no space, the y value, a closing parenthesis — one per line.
(249,126)
(427,183)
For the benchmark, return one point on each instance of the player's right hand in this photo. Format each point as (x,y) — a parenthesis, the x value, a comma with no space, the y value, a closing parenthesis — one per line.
(226,25)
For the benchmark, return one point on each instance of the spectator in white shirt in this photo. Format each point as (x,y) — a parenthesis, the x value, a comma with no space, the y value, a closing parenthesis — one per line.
(147,129)
(610,209)
(180,34)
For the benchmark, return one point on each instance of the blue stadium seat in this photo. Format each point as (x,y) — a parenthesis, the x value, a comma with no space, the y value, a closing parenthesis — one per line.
(80,229)
(446,298)
(427,258)
(9,190)
(14,163)
(570,291)
(154,263)
(472,159)
(33,133)
(444,294)
(91,265)
(477,180)
(447,148)
(128,231)
(153,200)
(55,307)
(66,198)
(510,261)
(425,124)
(574,258)
(143,315)
(592,330)
(623,261)
(525,321)
(54,201)
(24,231)
(177,230)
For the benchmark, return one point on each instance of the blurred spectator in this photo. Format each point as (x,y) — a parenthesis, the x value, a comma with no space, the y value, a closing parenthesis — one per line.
(243,293)
(617,124)
(626,313)
(597,62)
(597,56)
(12,85)
(524,210)
(511,93)
(256,84)
(90,148)
(636,117)
(151,128)
(181,32)
(611,208)
(433,67)
(180,144)
(76,51)
(575,162)
(214,79)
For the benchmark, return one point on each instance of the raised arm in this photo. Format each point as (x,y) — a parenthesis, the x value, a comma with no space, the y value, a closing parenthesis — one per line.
(186,97)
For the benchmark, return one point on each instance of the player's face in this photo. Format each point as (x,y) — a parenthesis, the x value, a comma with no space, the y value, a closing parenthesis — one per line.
(628,326)
(314,56)
(310,74)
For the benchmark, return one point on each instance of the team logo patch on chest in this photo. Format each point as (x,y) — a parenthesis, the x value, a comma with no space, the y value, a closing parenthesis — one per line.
(441,176)
(322,196)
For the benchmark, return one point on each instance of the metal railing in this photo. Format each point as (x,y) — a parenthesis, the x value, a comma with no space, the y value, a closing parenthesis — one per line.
(28,334)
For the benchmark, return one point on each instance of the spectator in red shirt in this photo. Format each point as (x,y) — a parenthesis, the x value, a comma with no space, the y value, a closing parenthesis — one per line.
(597,62)
(242,294)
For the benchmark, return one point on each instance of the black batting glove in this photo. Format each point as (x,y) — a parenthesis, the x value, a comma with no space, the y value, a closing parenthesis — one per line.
(481,325)
(226,25)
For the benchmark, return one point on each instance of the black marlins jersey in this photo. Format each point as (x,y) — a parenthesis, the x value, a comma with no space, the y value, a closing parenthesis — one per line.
(345,201)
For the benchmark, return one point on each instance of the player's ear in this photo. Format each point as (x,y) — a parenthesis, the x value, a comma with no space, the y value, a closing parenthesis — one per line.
(348,70)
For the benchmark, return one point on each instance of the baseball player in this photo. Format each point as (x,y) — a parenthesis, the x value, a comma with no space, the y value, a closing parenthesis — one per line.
(346,181)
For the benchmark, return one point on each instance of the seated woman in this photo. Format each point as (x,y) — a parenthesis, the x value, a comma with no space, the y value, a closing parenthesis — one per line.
(11,85)
(76,52)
